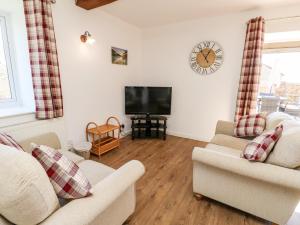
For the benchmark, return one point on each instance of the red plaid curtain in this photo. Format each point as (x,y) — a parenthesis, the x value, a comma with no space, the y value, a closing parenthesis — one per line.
(43,59)
(249,81)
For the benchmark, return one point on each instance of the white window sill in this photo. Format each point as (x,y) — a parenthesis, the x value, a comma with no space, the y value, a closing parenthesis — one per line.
(15,111)
(15,116)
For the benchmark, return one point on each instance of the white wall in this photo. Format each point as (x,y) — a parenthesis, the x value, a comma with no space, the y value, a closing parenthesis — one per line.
(198,101)
(93,86)
(23,131)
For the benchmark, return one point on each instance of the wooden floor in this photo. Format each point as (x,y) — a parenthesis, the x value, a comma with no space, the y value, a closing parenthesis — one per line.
(164,193)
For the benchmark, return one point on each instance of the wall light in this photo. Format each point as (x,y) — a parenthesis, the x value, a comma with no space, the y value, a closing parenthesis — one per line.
(87,38)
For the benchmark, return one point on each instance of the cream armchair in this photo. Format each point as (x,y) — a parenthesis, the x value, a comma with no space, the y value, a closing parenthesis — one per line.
(112,202)
(264,190)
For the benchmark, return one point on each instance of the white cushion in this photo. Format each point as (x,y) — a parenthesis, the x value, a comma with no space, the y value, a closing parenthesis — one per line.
(289,124)
(287,150)
(95,172)
(275,118)
(27,196)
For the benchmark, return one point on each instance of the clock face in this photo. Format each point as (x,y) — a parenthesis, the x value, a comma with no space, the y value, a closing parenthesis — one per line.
(206,57)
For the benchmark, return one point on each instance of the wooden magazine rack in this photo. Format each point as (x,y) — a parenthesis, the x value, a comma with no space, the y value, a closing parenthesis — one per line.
(103,137)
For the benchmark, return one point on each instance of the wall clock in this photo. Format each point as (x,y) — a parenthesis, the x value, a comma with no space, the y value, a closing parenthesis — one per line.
(206,57)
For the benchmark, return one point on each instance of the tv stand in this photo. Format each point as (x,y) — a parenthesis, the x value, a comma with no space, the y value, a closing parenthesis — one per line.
(148,127)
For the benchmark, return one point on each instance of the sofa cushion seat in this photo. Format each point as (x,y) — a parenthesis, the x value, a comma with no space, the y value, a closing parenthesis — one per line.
(72,156)
(224,150)
(229,141)
(94,171)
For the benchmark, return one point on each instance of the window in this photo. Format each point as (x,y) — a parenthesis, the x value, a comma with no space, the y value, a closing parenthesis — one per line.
(279,88)
(16,89)
(7,84)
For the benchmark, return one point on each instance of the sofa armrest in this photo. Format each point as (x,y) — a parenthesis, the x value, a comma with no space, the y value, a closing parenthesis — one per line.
(225,127)
(85,210)
(277,175)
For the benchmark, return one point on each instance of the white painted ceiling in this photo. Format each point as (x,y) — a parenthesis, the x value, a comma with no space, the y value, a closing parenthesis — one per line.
(148,13)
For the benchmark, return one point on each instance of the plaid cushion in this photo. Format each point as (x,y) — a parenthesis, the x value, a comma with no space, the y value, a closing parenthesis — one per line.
(260,147)
(6,139)
(67,179)
(250,125)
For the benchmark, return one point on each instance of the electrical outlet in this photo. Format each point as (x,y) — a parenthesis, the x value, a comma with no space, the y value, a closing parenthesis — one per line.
(122,126)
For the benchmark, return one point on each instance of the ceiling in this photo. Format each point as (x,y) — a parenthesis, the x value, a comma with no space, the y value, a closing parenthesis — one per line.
(149,13)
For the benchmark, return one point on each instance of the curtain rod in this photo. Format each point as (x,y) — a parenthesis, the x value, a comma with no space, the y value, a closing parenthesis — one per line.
(282,18)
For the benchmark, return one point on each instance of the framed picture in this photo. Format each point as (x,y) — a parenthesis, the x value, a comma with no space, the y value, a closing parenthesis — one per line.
(119,56)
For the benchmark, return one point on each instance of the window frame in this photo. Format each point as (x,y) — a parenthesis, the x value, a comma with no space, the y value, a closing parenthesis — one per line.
(280,47)
(14,101)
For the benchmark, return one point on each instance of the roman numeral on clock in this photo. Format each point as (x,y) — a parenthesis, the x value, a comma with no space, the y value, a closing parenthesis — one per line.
(218,50)
(206,44)
(194,65)
(217,64)
(200,47)
(219,57)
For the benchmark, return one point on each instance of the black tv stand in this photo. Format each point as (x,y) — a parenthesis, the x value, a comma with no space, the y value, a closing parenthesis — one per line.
(147,126)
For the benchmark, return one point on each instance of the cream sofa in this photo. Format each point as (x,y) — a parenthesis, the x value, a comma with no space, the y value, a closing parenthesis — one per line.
(264,190)
(113,200)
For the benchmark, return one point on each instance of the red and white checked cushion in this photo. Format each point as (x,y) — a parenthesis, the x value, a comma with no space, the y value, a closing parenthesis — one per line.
(6,139)
(67,179)
(261,146)
(250,125)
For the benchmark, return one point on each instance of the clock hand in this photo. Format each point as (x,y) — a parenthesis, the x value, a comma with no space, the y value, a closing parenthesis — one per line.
(204,56)
(207,55)
(209,51)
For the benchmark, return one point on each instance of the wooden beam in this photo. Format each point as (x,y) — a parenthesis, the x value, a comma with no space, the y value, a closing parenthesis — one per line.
(91,4)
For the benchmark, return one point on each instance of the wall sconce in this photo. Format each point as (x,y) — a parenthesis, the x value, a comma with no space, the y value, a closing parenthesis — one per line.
(87,38)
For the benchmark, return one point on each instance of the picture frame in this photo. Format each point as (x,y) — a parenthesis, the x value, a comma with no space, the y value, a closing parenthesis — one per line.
(119,56)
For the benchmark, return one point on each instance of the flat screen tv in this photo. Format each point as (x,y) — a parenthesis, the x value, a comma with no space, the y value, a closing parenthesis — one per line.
(148,100)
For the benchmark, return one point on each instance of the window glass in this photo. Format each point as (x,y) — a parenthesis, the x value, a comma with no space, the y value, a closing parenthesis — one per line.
(279,88)
(5,74)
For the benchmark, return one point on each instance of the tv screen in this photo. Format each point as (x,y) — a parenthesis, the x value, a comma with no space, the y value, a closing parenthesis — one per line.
(148,100)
